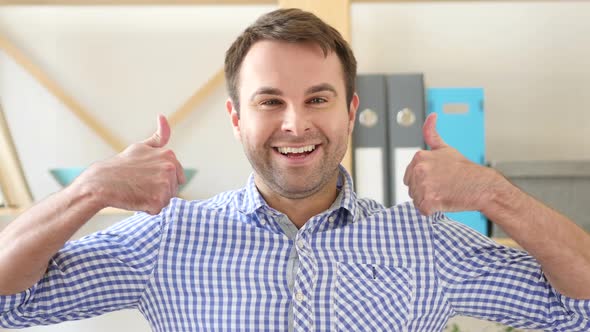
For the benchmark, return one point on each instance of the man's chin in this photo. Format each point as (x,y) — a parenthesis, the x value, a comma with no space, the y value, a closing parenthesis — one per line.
(297,191)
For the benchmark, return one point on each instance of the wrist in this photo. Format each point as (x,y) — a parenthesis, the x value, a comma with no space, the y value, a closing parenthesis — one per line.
(504,199)
(88,192)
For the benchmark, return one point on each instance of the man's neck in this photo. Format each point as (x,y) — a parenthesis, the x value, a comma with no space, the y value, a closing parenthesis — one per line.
(301,210)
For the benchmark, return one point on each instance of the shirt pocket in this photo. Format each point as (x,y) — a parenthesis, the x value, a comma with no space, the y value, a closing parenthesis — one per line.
(371,297)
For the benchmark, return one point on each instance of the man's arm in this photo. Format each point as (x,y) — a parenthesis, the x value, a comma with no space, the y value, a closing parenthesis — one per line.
(443,180)
(144,177)
(27,244)
(561,247)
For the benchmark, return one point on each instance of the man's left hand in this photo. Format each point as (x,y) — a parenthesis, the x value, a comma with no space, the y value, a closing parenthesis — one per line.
(442,179)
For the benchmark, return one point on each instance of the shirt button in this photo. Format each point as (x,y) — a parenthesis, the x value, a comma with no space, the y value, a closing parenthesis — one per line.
(301,244)
(263,222)
(299,296)
(331,218)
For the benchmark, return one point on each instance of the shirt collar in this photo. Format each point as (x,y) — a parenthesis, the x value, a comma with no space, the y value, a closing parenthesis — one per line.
(347,193)
(251,200)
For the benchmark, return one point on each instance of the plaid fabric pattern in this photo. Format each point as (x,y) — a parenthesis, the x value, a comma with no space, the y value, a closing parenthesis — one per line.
(223,265)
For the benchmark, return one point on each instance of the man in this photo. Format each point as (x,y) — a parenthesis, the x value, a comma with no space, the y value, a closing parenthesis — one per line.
(295,249)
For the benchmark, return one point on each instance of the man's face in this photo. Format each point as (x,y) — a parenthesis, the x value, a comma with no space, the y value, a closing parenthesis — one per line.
(294,122)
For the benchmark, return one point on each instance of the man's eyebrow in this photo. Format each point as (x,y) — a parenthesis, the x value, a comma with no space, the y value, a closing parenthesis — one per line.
(320,88)
(266,91)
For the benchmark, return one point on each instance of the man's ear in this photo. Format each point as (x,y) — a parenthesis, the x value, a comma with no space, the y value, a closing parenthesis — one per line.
(235,118)
(352,108)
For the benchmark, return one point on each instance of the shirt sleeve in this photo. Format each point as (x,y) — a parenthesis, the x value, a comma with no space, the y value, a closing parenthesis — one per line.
(101,272)
(483,279)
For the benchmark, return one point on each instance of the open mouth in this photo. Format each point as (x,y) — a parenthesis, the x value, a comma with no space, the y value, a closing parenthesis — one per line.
(298,152)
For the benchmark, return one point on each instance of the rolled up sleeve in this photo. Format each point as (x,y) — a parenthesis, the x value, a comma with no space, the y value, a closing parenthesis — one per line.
(99,273)
(485,280)
(579,308)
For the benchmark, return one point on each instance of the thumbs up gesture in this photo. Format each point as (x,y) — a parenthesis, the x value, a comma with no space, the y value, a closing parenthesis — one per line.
(442,179)
(144,177)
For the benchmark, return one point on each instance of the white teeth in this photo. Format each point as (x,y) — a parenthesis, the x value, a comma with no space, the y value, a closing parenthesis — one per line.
(286,150)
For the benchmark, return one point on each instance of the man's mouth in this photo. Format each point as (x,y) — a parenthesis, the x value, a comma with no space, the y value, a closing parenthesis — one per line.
(293,152)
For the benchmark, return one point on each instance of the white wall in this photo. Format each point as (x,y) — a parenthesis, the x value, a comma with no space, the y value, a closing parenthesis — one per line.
(531,57)
(126,64)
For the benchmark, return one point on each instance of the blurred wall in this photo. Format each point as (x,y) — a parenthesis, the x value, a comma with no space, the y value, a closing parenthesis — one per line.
(531,57)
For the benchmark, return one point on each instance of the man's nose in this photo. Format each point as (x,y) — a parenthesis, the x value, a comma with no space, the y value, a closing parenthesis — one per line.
(296,121)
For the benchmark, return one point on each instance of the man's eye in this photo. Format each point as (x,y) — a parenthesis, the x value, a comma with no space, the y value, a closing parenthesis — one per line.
(270,102)
(317,100)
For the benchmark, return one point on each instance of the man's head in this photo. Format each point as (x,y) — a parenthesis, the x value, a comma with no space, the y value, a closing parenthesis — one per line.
(292,103)
(294,26)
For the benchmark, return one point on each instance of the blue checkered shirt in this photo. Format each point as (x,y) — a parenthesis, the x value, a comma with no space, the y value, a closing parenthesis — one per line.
(232,263)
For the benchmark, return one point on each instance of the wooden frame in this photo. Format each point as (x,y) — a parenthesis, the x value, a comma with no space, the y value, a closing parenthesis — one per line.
(39,75)
(135,2)
(15,189)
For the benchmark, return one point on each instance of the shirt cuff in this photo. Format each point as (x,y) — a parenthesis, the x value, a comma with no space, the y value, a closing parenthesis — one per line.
(579,308)
(10,302)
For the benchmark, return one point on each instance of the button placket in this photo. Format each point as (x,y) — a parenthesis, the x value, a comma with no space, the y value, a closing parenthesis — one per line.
(301,244)
(299,296)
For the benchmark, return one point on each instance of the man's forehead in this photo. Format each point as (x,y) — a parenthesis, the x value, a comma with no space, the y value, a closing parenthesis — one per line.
(290,66)
(269,45)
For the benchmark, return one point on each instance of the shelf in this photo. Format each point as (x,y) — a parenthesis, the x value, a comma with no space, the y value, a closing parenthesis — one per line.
(136,2)
(12,212)
(114,211)
(4,211)
(506,242)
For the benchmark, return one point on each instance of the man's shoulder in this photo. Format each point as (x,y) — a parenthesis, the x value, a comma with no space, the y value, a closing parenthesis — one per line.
(371,208)
(223,201)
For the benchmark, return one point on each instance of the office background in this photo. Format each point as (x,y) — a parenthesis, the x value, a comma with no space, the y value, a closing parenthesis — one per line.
(126,64)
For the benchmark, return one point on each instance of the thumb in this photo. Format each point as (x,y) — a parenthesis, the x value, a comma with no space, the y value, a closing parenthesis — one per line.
(161,136)
(431,136)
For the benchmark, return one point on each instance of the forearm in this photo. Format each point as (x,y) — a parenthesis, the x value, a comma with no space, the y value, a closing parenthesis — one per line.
(28,243)
(561,247)
(144,177)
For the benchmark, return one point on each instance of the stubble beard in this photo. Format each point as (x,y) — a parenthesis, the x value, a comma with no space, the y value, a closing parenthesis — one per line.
(296,183)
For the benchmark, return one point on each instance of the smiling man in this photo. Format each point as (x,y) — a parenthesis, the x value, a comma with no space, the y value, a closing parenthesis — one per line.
(294,122)
(295,249)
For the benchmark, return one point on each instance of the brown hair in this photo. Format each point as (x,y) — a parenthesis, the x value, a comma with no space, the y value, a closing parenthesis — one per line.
(291,25)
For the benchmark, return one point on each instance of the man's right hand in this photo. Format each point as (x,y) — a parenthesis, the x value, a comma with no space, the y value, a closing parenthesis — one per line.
(144,177)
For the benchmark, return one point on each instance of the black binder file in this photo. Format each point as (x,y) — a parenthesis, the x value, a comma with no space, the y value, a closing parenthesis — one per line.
(406,115)
(370,153)
(388,131)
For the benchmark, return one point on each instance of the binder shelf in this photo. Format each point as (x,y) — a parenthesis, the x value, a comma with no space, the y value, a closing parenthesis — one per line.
(562,185)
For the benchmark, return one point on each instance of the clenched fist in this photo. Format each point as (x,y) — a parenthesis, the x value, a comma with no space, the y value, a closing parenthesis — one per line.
(144,177)
(442,179)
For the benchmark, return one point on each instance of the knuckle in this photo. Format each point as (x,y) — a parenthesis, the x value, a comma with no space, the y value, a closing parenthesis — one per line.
(155,202)
(421,169)
(420,155)
(169,167)
(169,154)
(429,198)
